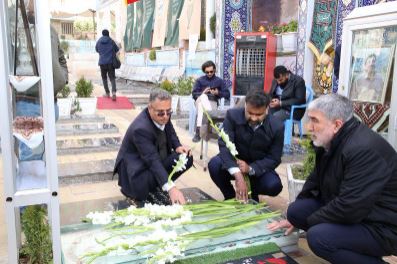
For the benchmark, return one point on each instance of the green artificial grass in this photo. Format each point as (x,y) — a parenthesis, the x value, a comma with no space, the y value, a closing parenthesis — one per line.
(222,257)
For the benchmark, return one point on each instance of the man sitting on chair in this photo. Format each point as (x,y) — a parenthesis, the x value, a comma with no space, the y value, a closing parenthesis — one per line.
(207,90)
(287,89)
(259,141)
(148,153)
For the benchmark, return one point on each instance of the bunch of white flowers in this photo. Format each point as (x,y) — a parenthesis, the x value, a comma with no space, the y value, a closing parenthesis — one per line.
(229,144)
(180,165)
(100,218)
(168,253)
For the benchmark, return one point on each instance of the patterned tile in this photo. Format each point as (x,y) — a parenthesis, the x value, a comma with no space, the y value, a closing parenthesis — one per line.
(301,37)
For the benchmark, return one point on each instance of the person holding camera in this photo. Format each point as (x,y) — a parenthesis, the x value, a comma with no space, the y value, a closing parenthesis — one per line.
(207,90)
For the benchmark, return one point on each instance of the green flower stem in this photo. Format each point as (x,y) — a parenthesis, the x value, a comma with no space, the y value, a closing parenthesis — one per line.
(218,131)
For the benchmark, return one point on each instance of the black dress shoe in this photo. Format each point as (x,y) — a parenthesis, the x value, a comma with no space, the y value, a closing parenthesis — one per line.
(196,138)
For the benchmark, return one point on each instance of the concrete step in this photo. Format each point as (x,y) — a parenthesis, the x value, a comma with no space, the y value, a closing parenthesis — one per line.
(88,143)
(86,172)
(81,120)
(85,128)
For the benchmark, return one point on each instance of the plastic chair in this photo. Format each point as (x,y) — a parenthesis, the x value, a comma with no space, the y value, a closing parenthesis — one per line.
(289,123)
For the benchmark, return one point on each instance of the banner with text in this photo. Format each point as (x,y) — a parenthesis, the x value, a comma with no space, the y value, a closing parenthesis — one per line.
(160,23)
(148,11)
(129,28)
(138,26)
(174,11)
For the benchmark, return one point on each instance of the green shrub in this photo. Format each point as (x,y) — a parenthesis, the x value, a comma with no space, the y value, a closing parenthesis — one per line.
(84,88)
(184,86)
(65,92)
(168,86)
(152,55)
(37,246)
(213,24)
(292,26)
(301,172)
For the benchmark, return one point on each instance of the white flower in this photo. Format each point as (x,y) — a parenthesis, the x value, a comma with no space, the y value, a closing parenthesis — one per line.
(229,144)
(98,218)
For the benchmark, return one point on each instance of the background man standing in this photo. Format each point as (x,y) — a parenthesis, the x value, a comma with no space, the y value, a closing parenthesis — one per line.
(107,49)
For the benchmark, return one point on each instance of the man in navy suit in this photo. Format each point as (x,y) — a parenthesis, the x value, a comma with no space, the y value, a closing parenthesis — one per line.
(259,141)
(287,89)
(148,152)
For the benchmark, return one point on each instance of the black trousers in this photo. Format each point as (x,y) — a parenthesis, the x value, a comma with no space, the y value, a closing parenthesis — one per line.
(268,184)
(146,182)
(336,243)
(108,70)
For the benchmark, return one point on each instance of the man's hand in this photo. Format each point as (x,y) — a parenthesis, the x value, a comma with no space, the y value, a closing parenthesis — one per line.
(214,91)
(241,187)
(243,166)
(207,90)
(183,149)
(275,103)
(274,226)
(176,196)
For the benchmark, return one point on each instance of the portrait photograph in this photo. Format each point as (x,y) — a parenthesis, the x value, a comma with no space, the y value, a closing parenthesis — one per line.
(370,73)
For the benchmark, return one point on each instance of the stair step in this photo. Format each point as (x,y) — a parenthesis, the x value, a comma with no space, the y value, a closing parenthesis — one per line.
(85,128)
(86,171)
(81,120)
(84,144)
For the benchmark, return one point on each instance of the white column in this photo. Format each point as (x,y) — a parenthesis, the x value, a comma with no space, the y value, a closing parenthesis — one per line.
(209,11)
(309,56)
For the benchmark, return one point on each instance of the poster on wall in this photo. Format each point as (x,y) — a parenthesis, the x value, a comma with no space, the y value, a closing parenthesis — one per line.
(138,26)
(129,29)
(174,11)
(160,23)
(189,21)
(148,11)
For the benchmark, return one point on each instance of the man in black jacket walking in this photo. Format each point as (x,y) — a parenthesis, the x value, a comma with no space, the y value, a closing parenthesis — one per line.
(348,205)
(258,138)
(107,49)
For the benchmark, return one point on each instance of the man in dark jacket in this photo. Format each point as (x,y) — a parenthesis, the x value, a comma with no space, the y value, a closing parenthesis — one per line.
(348,205)
(107,50)
(148,152)
(258,138)
(287,89)
(207,90)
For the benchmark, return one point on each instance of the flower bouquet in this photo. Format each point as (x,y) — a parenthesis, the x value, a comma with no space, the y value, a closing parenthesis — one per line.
(161,234)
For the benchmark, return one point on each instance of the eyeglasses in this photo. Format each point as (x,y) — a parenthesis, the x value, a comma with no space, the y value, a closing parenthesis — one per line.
(161,113)
(209,72)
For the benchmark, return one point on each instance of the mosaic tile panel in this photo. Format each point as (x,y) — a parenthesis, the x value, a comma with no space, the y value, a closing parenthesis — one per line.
(300,54)
(371,2)
(344,8)
(235,20)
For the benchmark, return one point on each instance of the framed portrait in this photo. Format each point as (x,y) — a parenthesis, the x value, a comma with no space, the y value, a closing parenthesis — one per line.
(370,72)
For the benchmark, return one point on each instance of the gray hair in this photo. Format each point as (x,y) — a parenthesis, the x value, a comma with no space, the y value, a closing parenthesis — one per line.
(157,93)
(334,106)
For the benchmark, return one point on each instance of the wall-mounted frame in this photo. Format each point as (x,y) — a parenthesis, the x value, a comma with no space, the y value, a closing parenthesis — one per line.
(370,73)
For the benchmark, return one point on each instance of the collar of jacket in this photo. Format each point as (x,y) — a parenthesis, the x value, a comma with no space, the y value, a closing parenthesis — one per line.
(346,129)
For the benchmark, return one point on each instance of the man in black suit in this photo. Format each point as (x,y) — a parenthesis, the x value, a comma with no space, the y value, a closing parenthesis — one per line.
(258,138)
(148,152)
(287,89)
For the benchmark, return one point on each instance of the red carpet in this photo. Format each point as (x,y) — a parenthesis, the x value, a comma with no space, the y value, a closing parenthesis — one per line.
(107,103)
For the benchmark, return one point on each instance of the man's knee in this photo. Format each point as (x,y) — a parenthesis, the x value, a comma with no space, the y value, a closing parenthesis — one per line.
(317,239)
(270,184)
(214,166)
(295,215)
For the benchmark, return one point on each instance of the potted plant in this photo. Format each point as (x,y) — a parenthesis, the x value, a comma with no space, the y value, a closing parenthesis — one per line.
(289,36)
(171,88)
(298,173)
(64,102)
(84,91)
(152,55)
(276,30)
(184,87)
(37,245)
